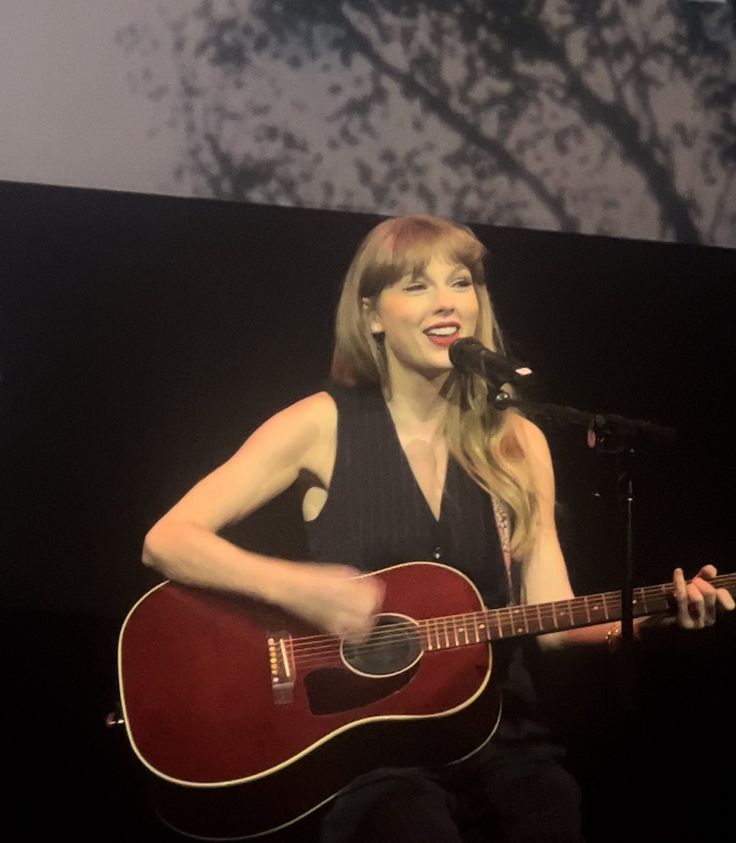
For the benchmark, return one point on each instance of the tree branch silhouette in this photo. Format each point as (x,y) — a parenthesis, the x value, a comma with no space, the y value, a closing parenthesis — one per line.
(511,111)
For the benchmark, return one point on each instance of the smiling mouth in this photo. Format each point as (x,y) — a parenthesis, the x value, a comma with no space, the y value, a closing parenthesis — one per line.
(443,335)
(443,329)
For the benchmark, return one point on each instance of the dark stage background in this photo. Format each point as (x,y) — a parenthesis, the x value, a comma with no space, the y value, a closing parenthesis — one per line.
(144,337)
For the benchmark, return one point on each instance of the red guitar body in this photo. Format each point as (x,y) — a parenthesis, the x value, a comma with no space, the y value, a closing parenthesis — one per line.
(231,757)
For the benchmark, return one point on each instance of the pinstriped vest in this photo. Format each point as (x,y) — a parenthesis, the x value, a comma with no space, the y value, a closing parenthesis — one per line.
(376,515)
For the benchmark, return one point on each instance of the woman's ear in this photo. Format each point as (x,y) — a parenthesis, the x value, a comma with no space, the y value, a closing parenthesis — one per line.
(369,313)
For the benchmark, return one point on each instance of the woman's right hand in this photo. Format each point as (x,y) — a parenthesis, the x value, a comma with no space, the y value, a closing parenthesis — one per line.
(336,598)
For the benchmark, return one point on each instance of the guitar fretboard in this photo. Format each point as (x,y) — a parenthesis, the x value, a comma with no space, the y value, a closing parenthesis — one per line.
(533,619)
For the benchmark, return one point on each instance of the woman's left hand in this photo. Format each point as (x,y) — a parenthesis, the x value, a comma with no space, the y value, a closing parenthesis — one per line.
(697,601)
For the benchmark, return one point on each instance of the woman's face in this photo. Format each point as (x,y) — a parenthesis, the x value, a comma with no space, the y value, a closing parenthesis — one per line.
(421,316)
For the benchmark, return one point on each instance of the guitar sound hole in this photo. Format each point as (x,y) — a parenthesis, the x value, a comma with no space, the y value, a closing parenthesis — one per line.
(392,647)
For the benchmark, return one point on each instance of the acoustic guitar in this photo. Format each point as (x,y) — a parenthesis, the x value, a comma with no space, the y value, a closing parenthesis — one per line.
(248,719)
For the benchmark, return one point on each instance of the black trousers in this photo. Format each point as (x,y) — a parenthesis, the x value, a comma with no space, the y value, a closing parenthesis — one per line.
(505,794)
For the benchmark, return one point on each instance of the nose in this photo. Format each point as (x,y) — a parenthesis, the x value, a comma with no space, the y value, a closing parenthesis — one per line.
(443,300)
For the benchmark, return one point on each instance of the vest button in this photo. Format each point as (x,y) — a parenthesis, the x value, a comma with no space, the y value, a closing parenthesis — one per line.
(437,553)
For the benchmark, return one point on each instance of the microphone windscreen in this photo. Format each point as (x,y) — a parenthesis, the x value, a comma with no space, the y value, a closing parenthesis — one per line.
(461,350)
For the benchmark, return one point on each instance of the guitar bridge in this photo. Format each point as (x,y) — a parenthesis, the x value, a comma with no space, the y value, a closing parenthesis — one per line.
(281,662)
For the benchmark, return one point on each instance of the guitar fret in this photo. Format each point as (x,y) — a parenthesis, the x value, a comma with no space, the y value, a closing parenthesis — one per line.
(508,622)
(599,613)
(617,604)
(530,619)
(577,611)
(464,630)
(605,607)
(475,628)
(488,633)
(561,614)
(501,627)
(581,612)
(496,632)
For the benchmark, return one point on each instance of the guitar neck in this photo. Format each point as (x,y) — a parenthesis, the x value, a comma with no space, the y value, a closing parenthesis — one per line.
(539,618)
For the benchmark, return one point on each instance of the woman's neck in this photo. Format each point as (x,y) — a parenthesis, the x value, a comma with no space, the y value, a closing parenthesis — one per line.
(417,403)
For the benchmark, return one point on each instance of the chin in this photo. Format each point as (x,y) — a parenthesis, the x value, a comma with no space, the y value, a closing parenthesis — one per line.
(436,370)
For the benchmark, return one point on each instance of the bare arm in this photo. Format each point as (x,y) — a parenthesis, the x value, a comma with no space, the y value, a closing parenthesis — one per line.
(184,546)
(544,572)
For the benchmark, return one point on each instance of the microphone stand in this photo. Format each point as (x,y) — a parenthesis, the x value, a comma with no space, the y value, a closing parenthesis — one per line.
(619,436)
(611,434)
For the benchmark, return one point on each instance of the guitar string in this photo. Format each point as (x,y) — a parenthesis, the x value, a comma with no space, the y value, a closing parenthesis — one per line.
(552,609)
(500,618)
(437,634)
(438,627)
(722,581)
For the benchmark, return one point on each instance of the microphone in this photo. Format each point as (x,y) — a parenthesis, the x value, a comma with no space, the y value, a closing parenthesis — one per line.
(469,355)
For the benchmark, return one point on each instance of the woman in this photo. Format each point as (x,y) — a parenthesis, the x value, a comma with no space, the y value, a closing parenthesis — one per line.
(404,458)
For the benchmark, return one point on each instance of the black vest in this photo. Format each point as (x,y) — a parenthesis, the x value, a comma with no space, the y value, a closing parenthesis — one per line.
(376,515)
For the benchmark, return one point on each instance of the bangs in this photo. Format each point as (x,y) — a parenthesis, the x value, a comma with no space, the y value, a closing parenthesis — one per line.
(407,244)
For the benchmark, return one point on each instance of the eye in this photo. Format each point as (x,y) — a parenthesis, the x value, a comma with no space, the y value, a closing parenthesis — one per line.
(414,286)
(463,281)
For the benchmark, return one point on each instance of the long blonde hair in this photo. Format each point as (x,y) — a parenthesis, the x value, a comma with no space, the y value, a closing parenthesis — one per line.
(479,437)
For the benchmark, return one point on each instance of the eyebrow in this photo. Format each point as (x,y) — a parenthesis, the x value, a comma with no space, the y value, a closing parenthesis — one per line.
(420,273)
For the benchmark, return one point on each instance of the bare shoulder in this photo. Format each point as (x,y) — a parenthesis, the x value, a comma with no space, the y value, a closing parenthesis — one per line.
(316,413)
(535,455)
(307,429)
(530,437)
(301,436)
(321,408)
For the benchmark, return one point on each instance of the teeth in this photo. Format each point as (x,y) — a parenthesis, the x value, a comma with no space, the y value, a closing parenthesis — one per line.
(442,332)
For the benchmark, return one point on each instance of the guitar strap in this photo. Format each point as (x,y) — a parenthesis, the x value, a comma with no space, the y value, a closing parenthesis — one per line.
(503,525)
